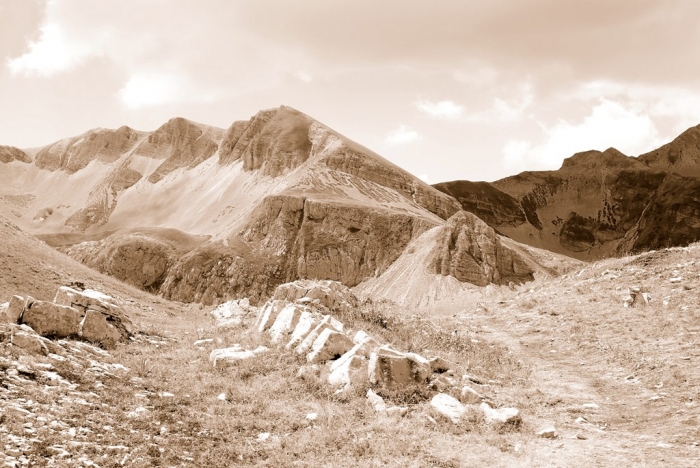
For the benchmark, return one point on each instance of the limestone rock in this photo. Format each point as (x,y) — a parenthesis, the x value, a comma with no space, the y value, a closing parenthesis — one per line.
(351,372)
(329,345)
(394,370)
(547,433)
(227,356)
(325,324)
(285,322)
(500,415)
(469,396)
(268,314)
(96,301)
(29,342)
(376,401)
(448,406)
(470,250)
(49,319)
(307,322)
(15,308)
(95,327)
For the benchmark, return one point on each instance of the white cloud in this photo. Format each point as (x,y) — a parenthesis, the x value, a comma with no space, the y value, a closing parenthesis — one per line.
(304,76)
(425,178)
(610,124)
(146,89)
(506,110)
(401,136)
(447,110)
(55,52)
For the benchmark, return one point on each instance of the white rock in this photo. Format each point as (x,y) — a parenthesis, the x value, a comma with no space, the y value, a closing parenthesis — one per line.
(329,345)
(500,415)
(226,356)
(448,406)
(263,436)
(221,397)
(285,322)
(547,433)
(376,401)
(470,396)
(203,342)
(590,406)
(15,308)
(312,416)
(305,345)
(307,322)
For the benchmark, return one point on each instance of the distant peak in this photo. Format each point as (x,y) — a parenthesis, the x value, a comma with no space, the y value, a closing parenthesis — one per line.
(611,157)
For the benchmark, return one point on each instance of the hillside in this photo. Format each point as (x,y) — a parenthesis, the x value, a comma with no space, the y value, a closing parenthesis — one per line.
(598,204)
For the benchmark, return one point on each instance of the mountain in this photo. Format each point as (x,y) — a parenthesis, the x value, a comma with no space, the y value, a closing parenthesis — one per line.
(198,213)
(598,204)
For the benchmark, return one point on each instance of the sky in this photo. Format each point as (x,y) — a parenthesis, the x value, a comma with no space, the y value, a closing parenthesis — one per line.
(446,89)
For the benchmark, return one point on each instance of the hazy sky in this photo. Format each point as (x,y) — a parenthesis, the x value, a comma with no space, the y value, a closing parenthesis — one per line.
(446,89)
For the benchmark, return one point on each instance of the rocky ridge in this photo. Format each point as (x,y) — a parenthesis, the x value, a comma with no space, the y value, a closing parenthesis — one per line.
(598,204)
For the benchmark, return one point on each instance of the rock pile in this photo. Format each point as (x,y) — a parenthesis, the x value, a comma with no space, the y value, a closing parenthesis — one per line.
(298,318)
(636,295)
(87,314)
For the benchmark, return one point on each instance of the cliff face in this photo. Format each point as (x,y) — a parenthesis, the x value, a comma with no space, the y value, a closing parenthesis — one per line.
(468,249)
(10,153)
(597,204)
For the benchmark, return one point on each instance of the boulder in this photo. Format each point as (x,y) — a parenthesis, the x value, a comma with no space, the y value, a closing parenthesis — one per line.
(395,370)
(376,401)
(96,327)
(327,322)
(448,406)
(351,372)
(285,322)
(307,322)
(30,343)
(329,345)
(15,308)
(90,299)
(49,319)
(469,396)
(547,433)
(268,314)
(500,415)
(227,356)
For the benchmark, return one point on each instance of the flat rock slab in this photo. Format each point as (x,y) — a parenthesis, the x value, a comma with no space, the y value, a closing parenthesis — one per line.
(96,327)
(448,406)
(49,319)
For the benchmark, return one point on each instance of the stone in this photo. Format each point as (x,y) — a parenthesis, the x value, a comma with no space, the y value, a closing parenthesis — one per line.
(469,396)
(395,370)
(351,372)
(285,322)
(500,415)
(448,406)
(307,322)
(439,365)
(268,314)
(376,401)
(15,308)
(547,433)
(30,343)
(305,345)
(442,383)
(96,327)
(329,345)
(89,299)
(49,319)
(227,356)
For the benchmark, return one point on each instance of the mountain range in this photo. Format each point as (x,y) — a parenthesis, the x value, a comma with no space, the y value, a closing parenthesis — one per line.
(203,214)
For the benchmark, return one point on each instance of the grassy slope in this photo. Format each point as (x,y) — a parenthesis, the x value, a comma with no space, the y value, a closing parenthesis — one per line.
(598,345)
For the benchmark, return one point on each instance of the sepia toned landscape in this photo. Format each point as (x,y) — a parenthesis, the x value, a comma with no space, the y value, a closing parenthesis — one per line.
(262,290)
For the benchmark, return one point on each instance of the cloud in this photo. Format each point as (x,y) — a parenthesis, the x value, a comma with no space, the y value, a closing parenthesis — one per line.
(304,76)
(425,178)
(403,135)
(610,124)
(144,89)
(447,110)
(503,110)
(55,52)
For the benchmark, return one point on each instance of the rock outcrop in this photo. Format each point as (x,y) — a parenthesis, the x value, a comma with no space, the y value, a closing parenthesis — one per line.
(87,314)
(10,153)
(74,154)
(470,250)
(180,143)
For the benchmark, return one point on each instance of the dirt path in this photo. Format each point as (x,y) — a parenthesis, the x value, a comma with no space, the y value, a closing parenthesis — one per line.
(626,428)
